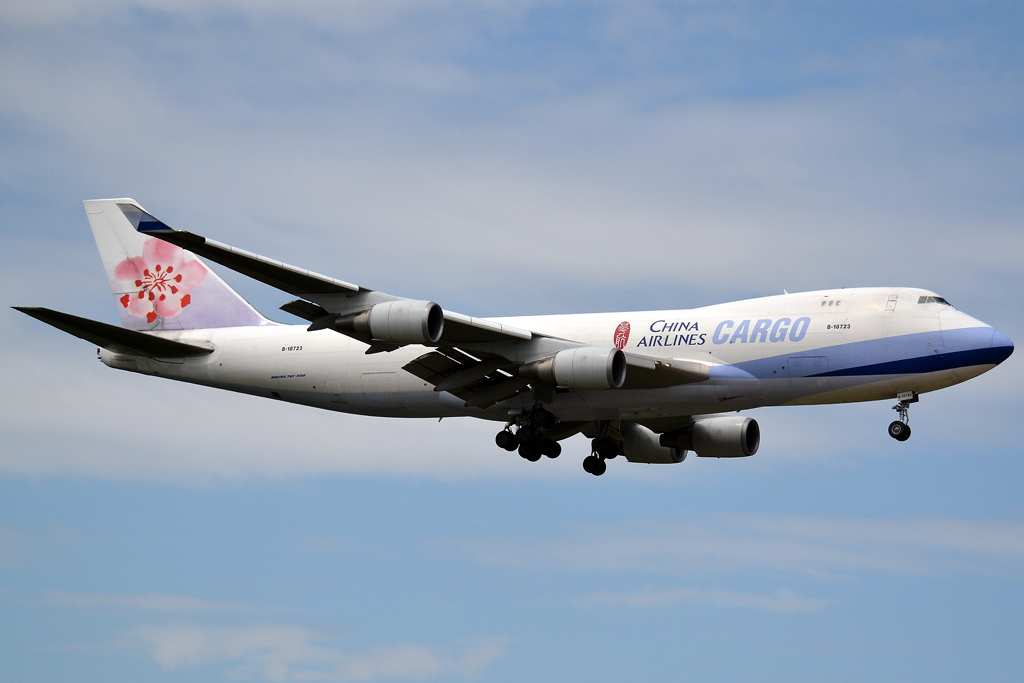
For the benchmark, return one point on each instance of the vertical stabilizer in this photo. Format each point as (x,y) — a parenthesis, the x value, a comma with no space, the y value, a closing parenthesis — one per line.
(156,285)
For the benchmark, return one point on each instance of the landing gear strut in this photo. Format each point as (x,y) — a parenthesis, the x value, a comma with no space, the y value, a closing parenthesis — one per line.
(603,448)
(900,429)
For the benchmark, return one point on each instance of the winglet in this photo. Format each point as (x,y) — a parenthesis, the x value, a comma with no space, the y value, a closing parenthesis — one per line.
(142,220)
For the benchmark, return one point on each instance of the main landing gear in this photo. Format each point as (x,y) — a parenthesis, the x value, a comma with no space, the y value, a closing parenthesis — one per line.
(529,438)
(900,429)
(602,448)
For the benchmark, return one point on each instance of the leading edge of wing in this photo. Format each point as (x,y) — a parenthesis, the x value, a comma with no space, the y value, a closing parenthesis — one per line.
(291,279)
(322,289)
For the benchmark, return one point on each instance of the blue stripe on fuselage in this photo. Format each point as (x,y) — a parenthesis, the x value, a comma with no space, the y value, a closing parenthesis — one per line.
(933,363)
(903,355)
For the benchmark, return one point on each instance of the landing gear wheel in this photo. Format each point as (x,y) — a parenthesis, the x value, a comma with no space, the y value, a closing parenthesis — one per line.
(899,430)
(550,448)
(529,451)
(526,433)
(507,440)
(594,465)
(597,465)
(542,419)
(605,448)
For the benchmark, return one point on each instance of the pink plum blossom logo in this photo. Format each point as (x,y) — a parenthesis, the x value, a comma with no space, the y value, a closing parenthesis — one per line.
(621,335)
(159,282)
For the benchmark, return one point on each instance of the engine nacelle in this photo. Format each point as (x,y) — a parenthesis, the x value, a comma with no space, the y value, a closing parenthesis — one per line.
(407,322)
(640,444)
(726,437)
(586,367)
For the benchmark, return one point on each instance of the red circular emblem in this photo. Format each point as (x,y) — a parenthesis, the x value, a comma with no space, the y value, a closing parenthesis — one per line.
(621,335)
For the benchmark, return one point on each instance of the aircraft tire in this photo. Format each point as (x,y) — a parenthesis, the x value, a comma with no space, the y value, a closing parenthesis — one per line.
(899,430)
(594,465)
(538,417)
(605,448)
(550,448)
(529,451)
(506,440)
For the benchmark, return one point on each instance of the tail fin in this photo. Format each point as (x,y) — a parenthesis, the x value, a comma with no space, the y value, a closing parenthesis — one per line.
(156,285)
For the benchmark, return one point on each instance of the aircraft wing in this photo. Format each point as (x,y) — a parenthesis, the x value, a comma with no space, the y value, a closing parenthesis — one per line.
(464,361)
(322,297)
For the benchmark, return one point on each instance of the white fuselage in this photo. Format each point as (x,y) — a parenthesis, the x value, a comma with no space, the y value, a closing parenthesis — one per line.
(817,347)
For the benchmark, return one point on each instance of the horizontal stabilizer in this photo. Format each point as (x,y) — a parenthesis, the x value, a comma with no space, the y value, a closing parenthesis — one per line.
(113,338)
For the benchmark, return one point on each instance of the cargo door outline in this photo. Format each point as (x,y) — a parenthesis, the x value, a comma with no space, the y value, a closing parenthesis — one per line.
(335,392)
(802,371)
(380,389)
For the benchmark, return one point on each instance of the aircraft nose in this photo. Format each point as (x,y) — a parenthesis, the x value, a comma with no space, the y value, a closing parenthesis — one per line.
(1002,347)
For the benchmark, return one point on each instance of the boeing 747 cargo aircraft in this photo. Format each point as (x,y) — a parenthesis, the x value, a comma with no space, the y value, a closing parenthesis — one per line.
(650,385)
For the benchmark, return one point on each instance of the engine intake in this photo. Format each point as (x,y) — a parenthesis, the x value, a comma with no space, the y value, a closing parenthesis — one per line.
(586,367)
(640,444)
(730,436)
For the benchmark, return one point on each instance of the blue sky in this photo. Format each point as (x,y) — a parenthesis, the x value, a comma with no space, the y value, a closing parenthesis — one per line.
(509,158)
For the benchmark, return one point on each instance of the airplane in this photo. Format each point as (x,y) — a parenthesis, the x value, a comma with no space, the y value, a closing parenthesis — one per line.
(651,386)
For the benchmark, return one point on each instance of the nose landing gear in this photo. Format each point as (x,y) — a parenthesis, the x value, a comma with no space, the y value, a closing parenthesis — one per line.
(900,429)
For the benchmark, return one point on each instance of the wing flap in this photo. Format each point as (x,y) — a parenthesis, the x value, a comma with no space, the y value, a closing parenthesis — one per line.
(307,310)
(472,380)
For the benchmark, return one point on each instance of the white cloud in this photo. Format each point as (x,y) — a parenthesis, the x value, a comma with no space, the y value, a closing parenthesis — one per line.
(817,546)
(282,652)
(20,546)
(150,602)
(783,600)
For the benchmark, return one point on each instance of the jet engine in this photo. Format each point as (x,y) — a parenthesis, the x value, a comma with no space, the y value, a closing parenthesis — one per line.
(399,322)
(586,367)
(640,444)
(731,436)
(407,322)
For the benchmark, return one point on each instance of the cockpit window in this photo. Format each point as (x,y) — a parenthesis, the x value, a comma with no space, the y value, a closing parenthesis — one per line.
(933,300)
